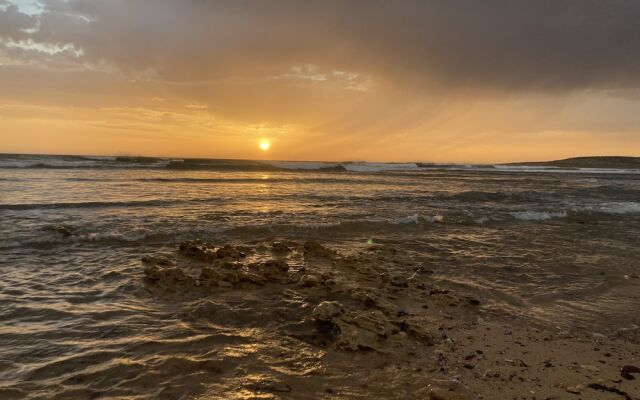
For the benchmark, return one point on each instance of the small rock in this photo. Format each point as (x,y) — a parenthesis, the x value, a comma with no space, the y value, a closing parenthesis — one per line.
(308,281)
(473,302)
(577,389)
(168,278)
(327,310)
(64,230)
(272,387)
(315,249)
(441,394)
(280,247)
(399,281)
(228,251)
(274,269)
(198,250)
(628,370)
(590,368)
(373,321)
(250,277)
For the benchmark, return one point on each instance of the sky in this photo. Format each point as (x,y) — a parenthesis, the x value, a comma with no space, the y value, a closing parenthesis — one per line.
(377,80)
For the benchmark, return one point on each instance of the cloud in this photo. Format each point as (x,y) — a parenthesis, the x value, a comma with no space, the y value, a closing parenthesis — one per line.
(500,45)
(458,71)
(13,23)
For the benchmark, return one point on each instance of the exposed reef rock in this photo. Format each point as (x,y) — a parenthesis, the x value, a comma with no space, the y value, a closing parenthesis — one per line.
(62,230)
(360,299)
(315,249)
(201,251)
(376,315)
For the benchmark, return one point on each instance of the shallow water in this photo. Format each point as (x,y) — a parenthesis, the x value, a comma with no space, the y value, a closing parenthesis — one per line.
(556,247)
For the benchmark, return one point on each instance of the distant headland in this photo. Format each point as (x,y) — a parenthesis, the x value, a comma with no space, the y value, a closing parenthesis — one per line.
(588,162)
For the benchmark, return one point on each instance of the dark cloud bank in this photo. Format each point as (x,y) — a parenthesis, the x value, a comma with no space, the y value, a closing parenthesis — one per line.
(501,45)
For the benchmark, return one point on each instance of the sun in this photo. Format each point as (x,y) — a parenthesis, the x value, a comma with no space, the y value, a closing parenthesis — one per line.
(264,145)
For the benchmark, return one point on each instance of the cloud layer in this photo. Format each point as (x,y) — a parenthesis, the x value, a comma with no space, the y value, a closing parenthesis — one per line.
(396,69)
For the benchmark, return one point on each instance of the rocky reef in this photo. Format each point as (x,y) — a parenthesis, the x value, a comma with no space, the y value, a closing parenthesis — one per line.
(371,300)
(371,315)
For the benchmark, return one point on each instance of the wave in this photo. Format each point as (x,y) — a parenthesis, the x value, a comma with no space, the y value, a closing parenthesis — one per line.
(538,215)
(196,164)
(192,164)
(481,196)
(102,204)
(79,162)
(344,166)
(593,212)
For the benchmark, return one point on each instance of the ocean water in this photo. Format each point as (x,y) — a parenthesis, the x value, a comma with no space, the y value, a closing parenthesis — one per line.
(559,247)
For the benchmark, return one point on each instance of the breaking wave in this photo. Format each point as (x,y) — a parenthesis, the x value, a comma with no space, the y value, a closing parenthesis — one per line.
(581,213)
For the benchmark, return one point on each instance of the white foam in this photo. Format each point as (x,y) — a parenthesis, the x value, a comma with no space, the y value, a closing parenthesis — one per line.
(410,219)
(619,208)
(629,207)
(297,165)
(375,167)
(538,215)
(354,167)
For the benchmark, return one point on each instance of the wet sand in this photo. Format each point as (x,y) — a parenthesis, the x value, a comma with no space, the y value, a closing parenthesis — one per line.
(366,321)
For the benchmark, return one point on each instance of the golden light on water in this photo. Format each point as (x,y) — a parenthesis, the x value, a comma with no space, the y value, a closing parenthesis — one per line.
(264,145)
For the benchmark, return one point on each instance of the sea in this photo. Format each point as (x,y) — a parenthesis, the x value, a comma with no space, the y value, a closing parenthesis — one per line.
(559,247)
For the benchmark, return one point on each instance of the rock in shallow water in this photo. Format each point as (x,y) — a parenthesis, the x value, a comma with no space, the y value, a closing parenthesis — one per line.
(315,249)
(198,250)
(168,278)
(328,310)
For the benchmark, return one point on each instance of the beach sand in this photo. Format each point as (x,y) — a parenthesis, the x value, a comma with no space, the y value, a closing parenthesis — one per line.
(369,322)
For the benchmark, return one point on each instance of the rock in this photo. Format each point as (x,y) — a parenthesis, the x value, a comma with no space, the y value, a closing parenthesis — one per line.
(577,389)
(327,310)
(214,277)
(373,321)
(473,302)
(63,230)
(383,250)
(228,251)
(628,370)
(315,249)
(418,330)
(153,272)
(442,394)
(270,387)
(590,368)
(274,269)
(610,389)
(250,277)
(280,247)
(352,338)
(351,332)
(198,250)
(372,299)
(161,261)
(399,281)
(308,281)
(168,278)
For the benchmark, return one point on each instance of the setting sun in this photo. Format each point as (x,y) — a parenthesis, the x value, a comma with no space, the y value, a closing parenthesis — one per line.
(264,145)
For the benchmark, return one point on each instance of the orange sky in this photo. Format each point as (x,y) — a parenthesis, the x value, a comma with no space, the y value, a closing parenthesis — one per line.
(331,81)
